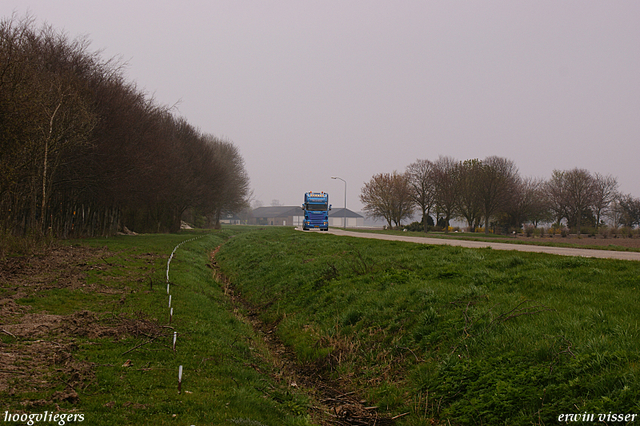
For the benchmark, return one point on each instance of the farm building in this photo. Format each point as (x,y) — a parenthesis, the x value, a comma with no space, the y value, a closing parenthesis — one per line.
(293,216)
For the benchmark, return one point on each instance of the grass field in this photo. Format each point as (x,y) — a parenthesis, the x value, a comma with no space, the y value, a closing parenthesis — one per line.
(431,334)
(463,335)
(103,347)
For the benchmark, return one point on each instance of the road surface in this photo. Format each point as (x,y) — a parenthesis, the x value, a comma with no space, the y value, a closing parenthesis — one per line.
(563,251)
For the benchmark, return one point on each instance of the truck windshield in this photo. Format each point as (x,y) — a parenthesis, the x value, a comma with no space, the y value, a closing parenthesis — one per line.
(316,207)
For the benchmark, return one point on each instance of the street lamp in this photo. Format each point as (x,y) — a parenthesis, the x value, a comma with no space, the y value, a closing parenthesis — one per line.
(345,199)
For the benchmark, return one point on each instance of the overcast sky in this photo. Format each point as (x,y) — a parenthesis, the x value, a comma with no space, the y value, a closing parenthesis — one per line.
(312,89)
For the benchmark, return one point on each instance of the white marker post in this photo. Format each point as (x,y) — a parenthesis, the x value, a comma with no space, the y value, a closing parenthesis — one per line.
(175,335)
(170,315)
(169,300)
(168,262)
(180,379)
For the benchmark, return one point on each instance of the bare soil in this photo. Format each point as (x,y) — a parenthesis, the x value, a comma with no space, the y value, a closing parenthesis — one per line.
(37,348)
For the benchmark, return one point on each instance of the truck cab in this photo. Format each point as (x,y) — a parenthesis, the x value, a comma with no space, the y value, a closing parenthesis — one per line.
(316,211)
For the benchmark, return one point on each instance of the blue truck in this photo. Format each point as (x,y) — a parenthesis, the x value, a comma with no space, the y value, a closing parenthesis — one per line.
(316,211)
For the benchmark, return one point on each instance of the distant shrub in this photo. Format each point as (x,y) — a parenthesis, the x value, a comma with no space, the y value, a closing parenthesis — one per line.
(529,230)
(558,229)
(625,232)
(414,227)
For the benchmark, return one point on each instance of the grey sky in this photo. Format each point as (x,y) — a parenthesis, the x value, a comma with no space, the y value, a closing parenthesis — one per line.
(311,89)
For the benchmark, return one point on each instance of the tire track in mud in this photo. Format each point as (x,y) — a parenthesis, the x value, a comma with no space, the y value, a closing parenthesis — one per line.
(331,403)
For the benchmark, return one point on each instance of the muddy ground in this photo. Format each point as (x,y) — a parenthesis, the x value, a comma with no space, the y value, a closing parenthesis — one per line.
(37,348)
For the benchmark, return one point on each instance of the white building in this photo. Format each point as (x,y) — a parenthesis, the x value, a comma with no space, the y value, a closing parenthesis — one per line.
(338,216)
(294,215)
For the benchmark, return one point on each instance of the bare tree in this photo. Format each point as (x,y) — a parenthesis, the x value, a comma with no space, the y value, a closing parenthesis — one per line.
(528,203)
(580,190)
(499,178)
(469,201)
(630,207)
(48,116)
(615,214)
(534,201)
(554,191)
(376,196)
(232,195)
(445,179)
(605,190)
(83,151)
(420,174)
(388,196)
(403,202)
(571,193)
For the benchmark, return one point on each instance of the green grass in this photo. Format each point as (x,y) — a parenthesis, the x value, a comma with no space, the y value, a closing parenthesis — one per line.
(62,301)
(466,336)
(228,376)
(469,336)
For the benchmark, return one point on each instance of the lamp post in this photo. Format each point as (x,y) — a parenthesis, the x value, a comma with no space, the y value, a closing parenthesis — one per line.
(345,199)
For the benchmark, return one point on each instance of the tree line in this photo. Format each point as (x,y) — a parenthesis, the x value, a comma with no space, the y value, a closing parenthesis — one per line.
(83,152)
(490,193)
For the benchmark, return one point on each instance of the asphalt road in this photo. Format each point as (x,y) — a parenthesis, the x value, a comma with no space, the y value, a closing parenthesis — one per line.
(563,251)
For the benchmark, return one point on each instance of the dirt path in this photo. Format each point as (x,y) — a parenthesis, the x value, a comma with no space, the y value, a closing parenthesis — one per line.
(563,251)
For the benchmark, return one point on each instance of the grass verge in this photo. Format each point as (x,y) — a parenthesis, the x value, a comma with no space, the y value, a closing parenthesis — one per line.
(615,244)
(85,329)
(465,336)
